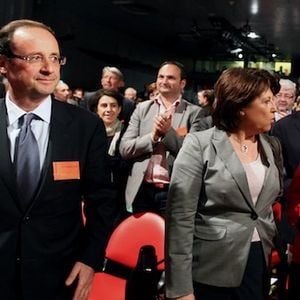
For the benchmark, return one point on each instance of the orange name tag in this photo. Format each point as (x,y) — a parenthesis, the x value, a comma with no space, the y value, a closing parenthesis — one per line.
(182,131)
(64,170)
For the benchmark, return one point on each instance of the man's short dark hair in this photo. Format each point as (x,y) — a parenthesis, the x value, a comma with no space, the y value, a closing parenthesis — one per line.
(178,65)
(7,32)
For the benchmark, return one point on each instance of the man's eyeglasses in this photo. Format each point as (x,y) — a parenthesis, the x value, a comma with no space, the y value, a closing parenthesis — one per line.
(38,58)
(285,96)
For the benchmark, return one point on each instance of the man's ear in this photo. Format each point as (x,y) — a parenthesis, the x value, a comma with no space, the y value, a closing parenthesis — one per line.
(2,65)
(183,83)
(2,70)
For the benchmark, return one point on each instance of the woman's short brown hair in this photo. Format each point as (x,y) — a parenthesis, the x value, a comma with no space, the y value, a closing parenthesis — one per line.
(235,89)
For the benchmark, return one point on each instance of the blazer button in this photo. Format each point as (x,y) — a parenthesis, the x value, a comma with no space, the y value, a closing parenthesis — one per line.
(26,219)
(254,216)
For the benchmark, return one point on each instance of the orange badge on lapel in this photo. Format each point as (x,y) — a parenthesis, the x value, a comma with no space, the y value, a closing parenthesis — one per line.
(65,170)
(182,131)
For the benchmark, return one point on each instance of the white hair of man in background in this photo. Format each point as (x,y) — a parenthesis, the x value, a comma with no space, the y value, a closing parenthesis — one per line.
(130,93)
(61,91)
(112,78)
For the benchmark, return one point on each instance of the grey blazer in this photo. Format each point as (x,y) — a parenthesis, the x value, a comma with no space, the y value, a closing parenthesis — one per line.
(210,213)
(136,143)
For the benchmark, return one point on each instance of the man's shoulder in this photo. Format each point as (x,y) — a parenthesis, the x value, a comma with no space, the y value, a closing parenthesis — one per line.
(287,121)
(191,106)
(188,103)
(145,105)
(128,102)
(208,133)
(88,95)
(74,111)
(79,121)
(205,136)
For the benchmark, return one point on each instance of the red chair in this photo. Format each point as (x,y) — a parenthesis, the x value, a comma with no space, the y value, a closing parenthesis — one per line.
(278,260)
(277,211)
(123,252)
(275,257)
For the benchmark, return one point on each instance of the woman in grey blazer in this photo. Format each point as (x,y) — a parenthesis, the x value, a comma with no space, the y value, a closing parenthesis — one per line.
(220,225)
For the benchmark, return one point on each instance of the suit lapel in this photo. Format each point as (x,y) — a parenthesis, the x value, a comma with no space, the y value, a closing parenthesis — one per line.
(59,137)
(266,156)
(6,166)
(178,115)
(226,153)
(60,133)
(148,115)
(296,120)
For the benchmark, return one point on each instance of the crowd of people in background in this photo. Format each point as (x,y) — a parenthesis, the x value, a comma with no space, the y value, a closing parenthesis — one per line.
(213,170)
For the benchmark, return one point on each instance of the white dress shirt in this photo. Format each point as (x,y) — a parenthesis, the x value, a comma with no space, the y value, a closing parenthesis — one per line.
(40,128)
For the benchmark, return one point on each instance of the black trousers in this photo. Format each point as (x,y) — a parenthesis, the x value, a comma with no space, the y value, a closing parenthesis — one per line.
(294,282)
(151,198)
(19,291)
(255,284)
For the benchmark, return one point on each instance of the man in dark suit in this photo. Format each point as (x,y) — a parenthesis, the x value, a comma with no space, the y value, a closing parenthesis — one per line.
(287,130)
(45,250)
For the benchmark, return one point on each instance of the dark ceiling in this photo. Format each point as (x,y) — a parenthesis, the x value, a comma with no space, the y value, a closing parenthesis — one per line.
(195,28)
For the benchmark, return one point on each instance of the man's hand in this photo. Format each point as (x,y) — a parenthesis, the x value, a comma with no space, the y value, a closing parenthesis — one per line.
(162,124)
(85,275)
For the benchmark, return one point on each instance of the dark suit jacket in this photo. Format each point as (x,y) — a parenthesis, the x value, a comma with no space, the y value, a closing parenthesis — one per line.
(287,130)
(205,123)
(39,245)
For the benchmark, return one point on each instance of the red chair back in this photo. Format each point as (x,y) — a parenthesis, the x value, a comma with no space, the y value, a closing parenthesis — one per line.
(136,231)
(124,246)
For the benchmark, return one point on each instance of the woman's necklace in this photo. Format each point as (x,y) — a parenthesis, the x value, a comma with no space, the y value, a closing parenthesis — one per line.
(244,148)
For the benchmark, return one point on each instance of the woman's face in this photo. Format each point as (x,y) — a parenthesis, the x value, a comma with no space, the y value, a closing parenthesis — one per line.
(108,109)
(259,115)
(153,95)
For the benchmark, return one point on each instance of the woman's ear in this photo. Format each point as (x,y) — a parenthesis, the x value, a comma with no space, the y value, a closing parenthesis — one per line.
(119,109)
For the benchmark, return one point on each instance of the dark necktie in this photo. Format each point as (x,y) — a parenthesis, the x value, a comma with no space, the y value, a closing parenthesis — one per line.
(27,160)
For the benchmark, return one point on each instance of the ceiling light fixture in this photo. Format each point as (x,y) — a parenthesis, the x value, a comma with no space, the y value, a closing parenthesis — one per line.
(254,7)
(235,51)
(253,35)
(134,8)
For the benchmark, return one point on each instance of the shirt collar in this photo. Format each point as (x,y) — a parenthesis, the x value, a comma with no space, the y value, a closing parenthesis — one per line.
(14,112)
(159,101)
